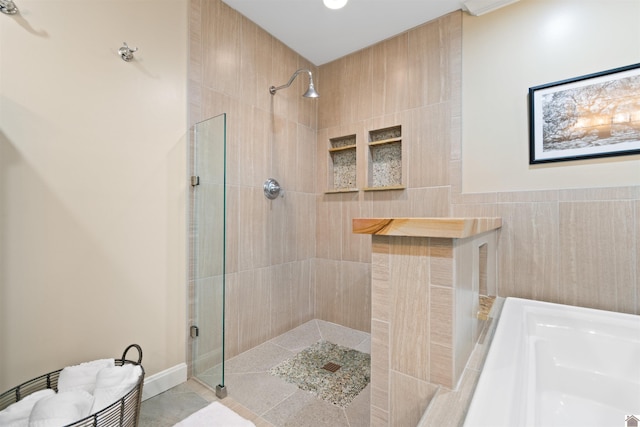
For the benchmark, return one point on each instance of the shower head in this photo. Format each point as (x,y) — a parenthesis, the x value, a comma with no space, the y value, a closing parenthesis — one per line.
(311,91)
(8,7)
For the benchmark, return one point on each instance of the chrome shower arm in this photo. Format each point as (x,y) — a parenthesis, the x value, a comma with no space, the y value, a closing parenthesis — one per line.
(310,93)
(274,89)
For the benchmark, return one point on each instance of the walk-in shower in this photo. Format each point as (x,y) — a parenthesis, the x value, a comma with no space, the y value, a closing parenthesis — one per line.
(311,90)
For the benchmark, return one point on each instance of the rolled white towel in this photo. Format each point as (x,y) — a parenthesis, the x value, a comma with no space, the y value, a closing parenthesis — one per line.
(82,376)
(113,384)
(61,409)
(17,414)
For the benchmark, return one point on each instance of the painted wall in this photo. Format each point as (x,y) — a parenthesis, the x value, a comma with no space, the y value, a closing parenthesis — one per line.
(92,184)
(530,43)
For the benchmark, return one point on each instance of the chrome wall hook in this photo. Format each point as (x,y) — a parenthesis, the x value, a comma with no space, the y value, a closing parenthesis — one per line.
(8,7)
(126,52)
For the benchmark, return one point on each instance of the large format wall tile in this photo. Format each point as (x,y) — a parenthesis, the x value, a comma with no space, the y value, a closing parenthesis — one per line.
(597,251)
(529,245)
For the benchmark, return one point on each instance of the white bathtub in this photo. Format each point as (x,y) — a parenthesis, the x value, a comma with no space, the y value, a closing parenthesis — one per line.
(557,365)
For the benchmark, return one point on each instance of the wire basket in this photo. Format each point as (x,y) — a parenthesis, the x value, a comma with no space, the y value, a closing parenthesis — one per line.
(125,412)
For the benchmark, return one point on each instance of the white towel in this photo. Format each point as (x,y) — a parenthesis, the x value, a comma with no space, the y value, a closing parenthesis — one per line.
(82,376)
(61,409)
(215,415)
(113,383)
(17,414)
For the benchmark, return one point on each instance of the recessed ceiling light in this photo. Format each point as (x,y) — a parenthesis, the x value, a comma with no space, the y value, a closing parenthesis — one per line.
(335,4)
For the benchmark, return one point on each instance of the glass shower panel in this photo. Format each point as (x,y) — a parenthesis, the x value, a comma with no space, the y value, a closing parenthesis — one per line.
(208,251)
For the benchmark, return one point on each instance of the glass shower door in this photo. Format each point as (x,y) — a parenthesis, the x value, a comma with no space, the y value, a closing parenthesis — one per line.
(207,228)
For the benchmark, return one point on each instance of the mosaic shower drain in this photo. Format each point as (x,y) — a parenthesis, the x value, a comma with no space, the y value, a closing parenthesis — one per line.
(307,370)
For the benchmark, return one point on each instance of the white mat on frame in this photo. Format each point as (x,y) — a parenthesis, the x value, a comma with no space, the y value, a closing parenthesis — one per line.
(215,415)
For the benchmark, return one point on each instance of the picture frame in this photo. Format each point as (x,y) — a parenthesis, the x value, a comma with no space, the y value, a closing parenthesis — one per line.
(595,115)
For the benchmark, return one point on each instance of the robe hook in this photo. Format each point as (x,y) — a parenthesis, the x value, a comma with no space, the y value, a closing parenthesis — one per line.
(126,52)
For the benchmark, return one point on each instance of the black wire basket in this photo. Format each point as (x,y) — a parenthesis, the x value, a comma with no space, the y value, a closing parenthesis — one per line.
(125,412)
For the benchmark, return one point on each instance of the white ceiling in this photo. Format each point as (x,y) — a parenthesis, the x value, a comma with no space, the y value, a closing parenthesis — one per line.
(322,35)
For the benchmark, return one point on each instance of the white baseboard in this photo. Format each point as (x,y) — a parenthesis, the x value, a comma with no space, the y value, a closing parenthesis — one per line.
(163,381)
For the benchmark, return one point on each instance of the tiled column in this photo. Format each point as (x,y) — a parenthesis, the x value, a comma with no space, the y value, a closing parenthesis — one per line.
(424,297)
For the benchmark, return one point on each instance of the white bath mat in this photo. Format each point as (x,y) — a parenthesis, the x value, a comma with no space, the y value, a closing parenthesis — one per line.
(215,415)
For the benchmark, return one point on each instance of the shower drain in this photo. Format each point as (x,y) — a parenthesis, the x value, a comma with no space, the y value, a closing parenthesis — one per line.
(331,367)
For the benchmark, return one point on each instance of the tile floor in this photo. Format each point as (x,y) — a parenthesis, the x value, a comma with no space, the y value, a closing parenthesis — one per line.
(260,397)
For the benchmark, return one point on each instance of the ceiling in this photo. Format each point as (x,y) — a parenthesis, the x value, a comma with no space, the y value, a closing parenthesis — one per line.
(321,35)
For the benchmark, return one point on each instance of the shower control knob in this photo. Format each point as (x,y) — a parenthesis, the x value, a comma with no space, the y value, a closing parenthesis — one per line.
(271,189)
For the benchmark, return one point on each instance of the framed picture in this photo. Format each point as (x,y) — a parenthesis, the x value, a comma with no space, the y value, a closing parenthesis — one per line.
(596,115)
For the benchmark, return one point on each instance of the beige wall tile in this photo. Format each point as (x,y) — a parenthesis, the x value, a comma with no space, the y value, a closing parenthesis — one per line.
(409,267)
(281,309)
(440,315)
(254,248)
(328,291)
(528,196)
(593,194)
(329,226)
(441,262)
(322,161)
(596,255)
(300,277)
(355,247)
(254,317)
(379,418)
(305,180)
(304,214)
(331,102)
(429,146)
(221,39)
(284,153)
(529,251)
(232,319)
(390,83)
(475,210)
(355,282)
(380,286)
(409,399)
(380,365)
(441,365)
(232,229)
(428,64)
(428,202)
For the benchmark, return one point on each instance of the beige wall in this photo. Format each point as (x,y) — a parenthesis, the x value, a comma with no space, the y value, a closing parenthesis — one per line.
(92,189)
(270,244)
(530,43)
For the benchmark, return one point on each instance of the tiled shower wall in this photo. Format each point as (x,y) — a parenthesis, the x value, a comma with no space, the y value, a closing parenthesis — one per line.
(412,80)
(270,244)
(573,246)
(295,258)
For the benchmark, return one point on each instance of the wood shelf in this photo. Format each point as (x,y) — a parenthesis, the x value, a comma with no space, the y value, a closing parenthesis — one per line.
(342,190)
(453,228)
(386,141)
(346,147)
(390,187)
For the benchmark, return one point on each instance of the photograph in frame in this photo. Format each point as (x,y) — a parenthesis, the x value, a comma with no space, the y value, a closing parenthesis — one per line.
(596,115)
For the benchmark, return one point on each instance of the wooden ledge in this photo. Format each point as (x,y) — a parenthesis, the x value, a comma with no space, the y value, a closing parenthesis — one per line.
(453,228)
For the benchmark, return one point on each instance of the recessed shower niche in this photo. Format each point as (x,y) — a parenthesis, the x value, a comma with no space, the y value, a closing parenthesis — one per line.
(342,164)
(384,171)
